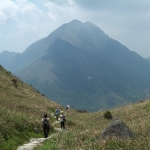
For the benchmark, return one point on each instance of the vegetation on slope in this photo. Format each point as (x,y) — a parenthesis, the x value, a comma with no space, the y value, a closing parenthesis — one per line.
(85,128)
(22,107)
(21,110)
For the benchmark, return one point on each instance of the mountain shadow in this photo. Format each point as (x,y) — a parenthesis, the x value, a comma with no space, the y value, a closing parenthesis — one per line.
(78,64)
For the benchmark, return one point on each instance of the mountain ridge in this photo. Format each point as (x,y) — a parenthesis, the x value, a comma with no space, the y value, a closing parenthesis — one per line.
(78,64)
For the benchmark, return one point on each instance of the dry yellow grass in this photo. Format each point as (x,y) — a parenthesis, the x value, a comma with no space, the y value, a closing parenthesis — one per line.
(85,128)
(21,109)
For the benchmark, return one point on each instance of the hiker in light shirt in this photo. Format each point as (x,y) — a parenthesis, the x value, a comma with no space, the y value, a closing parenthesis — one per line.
(62,120)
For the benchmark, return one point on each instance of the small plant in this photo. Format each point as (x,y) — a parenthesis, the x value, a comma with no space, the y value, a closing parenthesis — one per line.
(70,123)
(1,67)
(14,80)
(82,111)
(107,115)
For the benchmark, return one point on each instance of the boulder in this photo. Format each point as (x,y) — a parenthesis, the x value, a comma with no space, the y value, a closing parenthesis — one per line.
(116,129)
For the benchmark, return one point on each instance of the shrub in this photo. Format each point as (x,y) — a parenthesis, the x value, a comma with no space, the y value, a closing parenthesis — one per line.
(82,111)
(14,80)
(70,123)
(107,115)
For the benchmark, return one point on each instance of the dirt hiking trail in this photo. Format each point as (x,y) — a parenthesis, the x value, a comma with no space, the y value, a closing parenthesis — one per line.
(34,142)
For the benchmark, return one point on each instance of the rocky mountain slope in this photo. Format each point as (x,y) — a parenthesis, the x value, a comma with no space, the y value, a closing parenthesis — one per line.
(78,64)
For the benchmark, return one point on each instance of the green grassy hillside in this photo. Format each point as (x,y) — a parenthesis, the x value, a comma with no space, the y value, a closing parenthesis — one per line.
(21,110)
(22,107)
(85,128)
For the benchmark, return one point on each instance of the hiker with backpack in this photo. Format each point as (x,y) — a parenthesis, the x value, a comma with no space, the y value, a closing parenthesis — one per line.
(45,125)
(57,112)
(62,120)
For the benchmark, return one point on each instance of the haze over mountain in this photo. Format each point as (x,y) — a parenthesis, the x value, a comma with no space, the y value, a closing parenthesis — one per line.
(148,59)
(78,64)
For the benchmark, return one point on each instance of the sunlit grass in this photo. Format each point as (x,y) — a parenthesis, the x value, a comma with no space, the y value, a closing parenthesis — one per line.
(22,107)
(21,110)
(85,128)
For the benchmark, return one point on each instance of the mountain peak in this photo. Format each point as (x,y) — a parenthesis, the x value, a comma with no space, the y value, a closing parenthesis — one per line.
(78,61)
(76,21)
(79,33)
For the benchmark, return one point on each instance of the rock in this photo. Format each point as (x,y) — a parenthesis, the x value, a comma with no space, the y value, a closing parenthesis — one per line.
(36,130)
(116,129)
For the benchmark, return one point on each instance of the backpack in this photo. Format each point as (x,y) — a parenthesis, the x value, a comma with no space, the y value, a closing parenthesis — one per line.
(45,123)
(64,118)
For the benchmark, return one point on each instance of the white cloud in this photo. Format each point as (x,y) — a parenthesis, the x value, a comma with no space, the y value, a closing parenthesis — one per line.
(57,12)
(29,9)
(19,23)
(31,22)
(23,22)
(62,2)
(2,18)
(21,1)
(8,10)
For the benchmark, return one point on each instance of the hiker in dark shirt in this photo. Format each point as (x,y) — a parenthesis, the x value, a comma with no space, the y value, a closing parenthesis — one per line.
(45,125)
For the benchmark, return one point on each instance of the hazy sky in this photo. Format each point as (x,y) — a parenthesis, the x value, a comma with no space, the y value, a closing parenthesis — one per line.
(23,22)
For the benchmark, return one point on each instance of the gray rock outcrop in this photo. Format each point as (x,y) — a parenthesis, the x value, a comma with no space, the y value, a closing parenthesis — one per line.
(116,129)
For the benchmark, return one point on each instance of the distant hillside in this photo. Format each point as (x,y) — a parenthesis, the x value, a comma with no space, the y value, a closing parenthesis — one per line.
(148,59)
(6,56)
(78,64)
(21,110)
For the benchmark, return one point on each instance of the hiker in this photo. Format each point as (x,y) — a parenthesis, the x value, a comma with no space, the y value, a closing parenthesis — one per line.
(67,107)
(57,112)
(62,120)
(45,125)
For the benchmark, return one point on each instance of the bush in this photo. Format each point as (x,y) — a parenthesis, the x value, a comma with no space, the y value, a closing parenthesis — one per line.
(70,123)
(14,80)
(82,111)
(107,115)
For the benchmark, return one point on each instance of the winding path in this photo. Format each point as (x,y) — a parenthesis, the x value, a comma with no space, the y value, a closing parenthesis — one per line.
(34,142)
